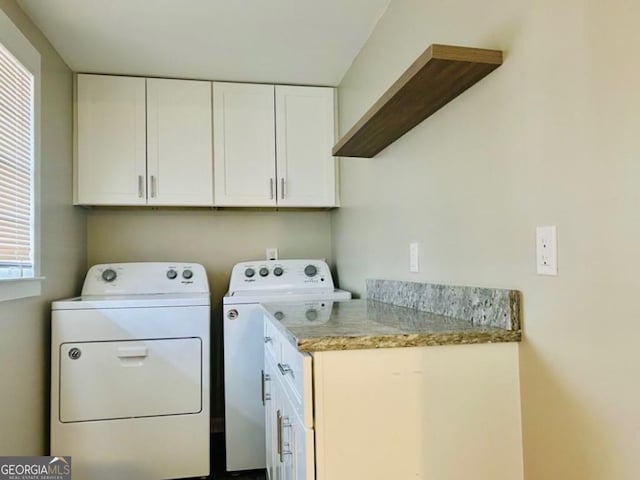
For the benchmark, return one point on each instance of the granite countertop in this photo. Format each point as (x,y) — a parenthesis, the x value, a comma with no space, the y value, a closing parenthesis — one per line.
(366,324)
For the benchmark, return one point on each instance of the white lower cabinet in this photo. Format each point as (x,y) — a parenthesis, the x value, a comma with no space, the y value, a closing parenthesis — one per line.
(443,413)
(289,439)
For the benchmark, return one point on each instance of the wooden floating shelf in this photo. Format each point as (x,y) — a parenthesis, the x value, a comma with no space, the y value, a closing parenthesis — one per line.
(438,76)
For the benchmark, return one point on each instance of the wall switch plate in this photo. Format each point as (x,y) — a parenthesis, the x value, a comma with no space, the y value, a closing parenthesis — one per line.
(547,250)
(272,253)
(414,265)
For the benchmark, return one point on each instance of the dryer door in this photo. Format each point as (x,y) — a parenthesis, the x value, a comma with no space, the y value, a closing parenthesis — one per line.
(134,378)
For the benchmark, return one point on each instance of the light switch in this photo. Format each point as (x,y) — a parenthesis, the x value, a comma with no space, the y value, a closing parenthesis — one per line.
(547,250)
(413,258)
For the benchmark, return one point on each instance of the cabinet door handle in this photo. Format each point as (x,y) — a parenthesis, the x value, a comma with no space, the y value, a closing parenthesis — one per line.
(271,187)
(279,433)
(282,188)
(284,423)
(153,186)
(265,378)
(284,368)
(140,186)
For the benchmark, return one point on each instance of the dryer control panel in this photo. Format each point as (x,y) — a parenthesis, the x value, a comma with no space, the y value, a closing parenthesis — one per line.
(145,278)
(283,275)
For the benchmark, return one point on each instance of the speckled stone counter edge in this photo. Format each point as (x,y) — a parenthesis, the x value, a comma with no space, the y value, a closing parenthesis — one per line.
(325,344)
(490,307)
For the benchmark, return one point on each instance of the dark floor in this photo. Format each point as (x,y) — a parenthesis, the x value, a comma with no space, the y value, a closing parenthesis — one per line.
(219,467)
(256,476)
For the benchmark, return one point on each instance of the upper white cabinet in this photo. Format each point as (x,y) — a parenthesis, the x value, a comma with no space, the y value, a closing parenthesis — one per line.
(162,142)
(179,146)
(143,142)
(272,145)
(305,133)
(111,141)
(244,144)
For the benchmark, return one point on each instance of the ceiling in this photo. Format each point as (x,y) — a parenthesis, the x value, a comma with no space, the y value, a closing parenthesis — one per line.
(279,41)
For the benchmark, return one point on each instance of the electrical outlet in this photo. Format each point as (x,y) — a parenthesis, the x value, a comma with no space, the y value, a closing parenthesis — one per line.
(414,265)
(547,250)
(272,253)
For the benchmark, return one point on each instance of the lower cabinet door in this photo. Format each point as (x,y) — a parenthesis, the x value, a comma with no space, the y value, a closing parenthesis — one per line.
(290,445)
(270,402)
(297,443)
(302,451)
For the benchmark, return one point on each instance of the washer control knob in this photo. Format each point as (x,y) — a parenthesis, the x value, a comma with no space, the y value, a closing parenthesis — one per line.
(310,270)
(311,314)
(278,271)
(172,274)
(187,274)
(249,272)
(264,271)
(109,275)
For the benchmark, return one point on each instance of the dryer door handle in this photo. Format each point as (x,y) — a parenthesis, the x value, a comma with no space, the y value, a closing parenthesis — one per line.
(129,352)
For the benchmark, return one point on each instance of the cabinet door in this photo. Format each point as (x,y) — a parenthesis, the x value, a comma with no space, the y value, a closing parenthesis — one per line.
(179,146)
(305,134)
(270,397)
(244,144)
(302,458)
(111,140)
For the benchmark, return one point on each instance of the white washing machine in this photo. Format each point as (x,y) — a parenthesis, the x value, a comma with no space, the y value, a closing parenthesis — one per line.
(251,284)
(130,373)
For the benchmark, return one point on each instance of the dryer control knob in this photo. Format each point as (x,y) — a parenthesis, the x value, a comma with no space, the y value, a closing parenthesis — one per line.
(310,270)
(278,271)
(172,274)
(311,314)
(187,274)
(109,275)
(249,272)
(264,271)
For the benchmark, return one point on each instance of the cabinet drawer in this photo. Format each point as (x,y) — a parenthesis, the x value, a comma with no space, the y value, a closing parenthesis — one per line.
(294,368)
(272,340)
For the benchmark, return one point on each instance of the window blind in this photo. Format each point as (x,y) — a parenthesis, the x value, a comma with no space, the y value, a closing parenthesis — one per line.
(16,167)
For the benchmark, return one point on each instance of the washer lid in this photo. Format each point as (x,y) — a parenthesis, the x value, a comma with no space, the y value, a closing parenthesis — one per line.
(92,302)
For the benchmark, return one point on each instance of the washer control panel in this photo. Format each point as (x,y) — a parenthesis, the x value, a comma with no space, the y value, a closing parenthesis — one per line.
(142,278)
(281,274)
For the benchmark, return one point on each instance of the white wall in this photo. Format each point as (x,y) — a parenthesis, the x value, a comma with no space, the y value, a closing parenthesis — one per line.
(24,324)
(551,137)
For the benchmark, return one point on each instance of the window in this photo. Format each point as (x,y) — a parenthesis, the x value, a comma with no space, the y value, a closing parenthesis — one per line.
(19,151)
(16,167)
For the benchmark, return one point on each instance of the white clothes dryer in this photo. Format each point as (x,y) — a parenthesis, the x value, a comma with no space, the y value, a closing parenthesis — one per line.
(130,375)
(253,283)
